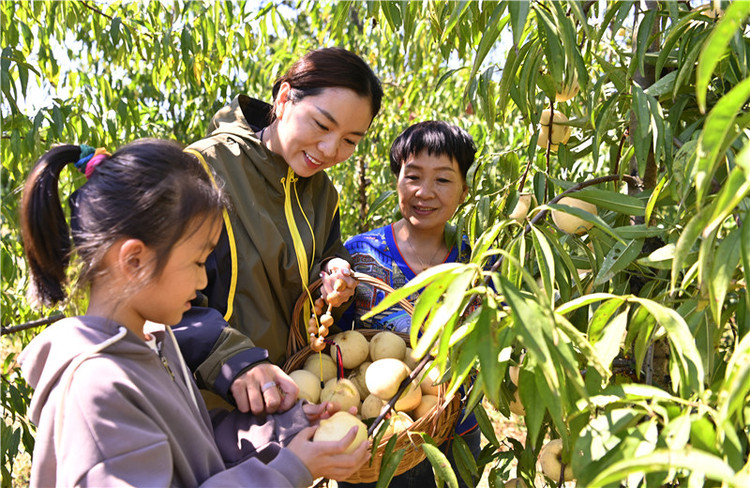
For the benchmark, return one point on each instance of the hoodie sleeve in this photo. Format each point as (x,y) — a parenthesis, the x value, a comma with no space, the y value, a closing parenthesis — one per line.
(285,470)
(240,436)
(215,352)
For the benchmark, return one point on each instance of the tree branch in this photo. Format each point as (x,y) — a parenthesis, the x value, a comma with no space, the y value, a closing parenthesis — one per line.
(30,325)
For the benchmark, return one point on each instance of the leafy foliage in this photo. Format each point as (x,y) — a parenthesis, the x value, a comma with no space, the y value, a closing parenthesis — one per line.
(632,339)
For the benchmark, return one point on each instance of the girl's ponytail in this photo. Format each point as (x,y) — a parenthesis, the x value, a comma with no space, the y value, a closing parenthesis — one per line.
(149,190)
(45,232)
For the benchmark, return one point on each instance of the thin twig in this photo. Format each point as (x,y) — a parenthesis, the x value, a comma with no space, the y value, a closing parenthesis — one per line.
(30,325)
(619,151)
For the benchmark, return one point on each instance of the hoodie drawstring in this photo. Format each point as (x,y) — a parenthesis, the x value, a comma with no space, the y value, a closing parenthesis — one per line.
(299,247)
(184,368)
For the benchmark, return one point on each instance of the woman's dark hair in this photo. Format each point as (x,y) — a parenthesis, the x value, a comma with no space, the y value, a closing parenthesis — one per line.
(331,67)
(149,189)
(438,138)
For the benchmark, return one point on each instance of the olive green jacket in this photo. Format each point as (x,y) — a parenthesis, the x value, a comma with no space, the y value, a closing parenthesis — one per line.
(254,279)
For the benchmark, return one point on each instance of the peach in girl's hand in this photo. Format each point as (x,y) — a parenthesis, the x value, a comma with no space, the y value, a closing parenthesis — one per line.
(338,426)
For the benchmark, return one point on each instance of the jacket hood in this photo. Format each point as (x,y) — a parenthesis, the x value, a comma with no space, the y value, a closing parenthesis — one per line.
(49,355)
(243,117)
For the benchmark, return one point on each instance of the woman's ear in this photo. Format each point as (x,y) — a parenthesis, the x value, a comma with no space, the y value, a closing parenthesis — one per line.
(282,96)
(134,258)
(465,193)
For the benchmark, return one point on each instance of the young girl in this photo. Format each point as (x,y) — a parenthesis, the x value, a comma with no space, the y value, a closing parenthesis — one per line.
(114,402)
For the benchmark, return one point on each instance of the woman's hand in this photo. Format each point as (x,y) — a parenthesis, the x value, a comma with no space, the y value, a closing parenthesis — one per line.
(264,388)
(338,283)
(327,458)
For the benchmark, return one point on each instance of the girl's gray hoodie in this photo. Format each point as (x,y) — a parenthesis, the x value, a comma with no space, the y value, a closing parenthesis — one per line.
(111,411)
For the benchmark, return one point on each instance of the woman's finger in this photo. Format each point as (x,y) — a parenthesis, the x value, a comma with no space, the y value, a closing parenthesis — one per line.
(271,396)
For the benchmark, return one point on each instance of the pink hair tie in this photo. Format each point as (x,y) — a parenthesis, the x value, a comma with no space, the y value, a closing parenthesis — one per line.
(99,155)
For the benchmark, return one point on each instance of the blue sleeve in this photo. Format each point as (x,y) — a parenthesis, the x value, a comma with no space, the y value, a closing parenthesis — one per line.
(215,352)
(197,334)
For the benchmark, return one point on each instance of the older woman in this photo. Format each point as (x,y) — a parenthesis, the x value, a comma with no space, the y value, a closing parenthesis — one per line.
(430,160)
(283,230)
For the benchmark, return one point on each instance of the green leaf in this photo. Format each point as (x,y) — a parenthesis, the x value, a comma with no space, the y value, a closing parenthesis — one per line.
(734,190)
(57,121)
(682,345)
(420,281)
(612,200)
(447,75)
(528,317)
(674,35)
(379,202)
(645,28)
(519,11)
(389,464)
(687,66)
(608,346)
(507,80)
(545,261)
(459,10)
(581,343)
(714,49)
(703,435)
(553,48)
(602,123)
(487,240)
(736,386)
(440,464)
(464,461)
(441,320)
(583,301)
(686,241)
(487,348)
(392,14)
(485,425)
(601,318)
(715,136)
(341,13)
(664,460)
(654,198)
(494,27)
(641,141)
(426,301)
(724,267)
(638,231)
(617,259)
(114,30)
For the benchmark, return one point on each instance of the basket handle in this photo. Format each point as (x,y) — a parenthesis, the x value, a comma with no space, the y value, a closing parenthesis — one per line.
(298,329)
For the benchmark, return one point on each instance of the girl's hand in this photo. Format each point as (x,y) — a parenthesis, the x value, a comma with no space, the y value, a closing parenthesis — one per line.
(327,458)
(338,283)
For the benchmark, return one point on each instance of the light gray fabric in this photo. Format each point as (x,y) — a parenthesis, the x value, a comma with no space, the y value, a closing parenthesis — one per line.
(127,421)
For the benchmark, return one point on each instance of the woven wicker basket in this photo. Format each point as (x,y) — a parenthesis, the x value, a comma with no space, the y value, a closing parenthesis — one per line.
(439,422)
